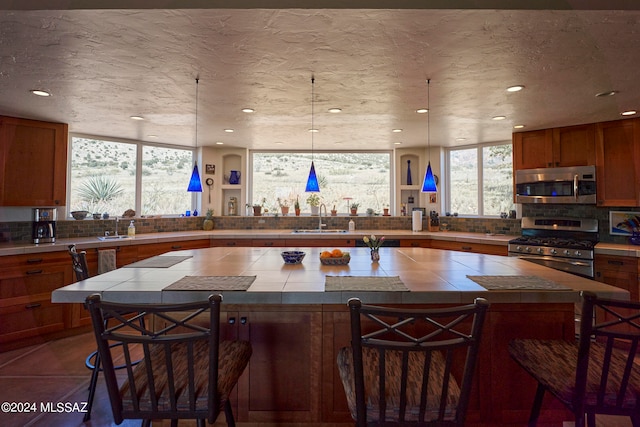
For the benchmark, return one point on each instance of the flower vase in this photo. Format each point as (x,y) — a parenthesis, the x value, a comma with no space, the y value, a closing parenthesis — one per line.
(635,238)
(375,255)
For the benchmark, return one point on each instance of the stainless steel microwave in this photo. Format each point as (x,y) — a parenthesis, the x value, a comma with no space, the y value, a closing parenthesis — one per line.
(556,185)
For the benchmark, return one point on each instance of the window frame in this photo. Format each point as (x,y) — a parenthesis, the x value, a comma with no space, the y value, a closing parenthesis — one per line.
(480,175)
(138,184)
(390,153)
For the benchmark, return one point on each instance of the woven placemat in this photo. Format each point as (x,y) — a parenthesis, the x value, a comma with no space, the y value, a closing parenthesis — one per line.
(158,262)
(212,283)
(493,283)
(364,283)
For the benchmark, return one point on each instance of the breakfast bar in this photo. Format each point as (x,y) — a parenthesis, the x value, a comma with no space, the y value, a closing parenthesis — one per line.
(297,323)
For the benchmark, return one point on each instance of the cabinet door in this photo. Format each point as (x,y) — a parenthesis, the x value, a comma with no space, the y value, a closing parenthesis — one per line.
(283,384)
(574,146)
(619,271)
(618,163)
(33,162)
(532,149)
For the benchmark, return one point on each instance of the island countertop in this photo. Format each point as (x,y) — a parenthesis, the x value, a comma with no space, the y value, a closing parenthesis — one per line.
(431,276)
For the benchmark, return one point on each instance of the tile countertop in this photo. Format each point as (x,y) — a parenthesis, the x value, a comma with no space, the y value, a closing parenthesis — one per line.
(431,275)
(148,238)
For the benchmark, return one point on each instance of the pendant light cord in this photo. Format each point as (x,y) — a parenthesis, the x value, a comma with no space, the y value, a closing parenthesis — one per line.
(197,85)
(313,129)
(429,118)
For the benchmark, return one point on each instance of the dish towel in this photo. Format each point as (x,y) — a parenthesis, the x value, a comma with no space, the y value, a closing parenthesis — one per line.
(106,260)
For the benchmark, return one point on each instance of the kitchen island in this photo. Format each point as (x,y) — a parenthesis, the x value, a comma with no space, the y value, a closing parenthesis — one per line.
(296,327)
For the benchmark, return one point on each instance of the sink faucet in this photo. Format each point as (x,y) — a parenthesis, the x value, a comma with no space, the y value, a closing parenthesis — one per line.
(116,225)
(320,224)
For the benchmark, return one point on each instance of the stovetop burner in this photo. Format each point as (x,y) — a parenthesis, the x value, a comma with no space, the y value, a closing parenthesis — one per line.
(558,242)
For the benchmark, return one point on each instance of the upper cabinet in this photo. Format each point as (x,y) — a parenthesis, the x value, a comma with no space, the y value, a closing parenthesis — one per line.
(33,162)
(618,162)
(559,147)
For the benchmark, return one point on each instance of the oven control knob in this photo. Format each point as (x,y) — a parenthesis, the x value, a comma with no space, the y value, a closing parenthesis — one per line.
(553,252)
(540,250)
(578,253)
(567,252)
(527,249)
(519,248)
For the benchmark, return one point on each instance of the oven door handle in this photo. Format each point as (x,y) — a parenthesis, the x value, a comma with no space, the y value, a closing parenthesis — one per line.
(575,187)
(577,263)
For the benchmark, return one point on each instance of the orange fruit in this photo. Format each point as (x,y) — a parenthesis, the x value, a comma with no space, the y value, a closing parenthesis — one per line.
(325,254)
(336,253)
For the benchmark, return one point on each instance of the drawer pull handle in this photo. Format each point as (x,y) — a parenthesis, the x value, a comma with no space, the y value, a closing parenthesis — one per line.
(612,262)
(231,243)
(176,247)
(243,320)
(33,305)
(466,248)
(232,320)
(34,272)
(268,244)
(34,260)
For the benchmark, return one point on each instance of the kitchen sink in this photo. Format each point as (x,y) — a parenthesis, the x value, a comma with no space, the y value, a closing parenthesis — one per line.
(317,231)
(104,238)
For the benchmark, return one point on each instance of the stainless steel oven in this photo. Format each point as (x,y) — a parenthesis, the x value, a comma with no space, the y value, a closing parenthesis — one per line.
(556,185)
(565,244)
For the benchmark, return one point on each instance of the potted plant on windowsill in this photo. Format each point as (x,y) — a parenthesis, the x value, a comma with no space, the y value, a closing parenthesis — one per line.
(354,208)
(296,206)
(284,206)
(314,202)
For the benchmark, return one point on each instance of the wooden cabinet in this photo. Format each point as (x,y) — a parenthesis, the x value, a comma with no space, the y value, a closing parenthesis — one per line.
(415,243)
(282,381)
(321,243)
(147,251)
(26,283)
(228,242)
(532,149)
(480,248)
(618,163)
(558,147)
(619,271)
(267,242)
(33,162)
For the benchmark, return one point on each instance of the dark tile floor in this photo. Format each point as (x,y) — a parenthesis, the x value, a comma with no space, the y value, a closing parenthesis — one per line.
(55,372)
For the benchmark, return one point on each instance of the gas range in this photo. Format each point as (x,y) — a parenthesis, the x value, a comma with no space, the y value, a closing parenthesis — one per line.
(565,244)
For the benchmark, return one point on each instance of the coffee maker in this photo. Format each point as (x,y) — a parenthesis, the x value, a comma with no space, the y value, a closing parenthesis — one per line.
(44,225)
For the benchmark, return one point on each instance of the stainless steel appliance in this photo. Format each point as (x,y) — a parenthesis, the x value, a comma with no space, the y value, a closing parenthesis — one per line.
(565,244)
(556,185)
(44,225)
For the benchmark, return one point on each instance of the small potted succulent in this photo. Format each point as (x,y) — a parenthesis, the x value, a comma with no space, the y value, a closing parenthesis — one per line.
(296,206)
(354,208)
(334,212)
(284,206)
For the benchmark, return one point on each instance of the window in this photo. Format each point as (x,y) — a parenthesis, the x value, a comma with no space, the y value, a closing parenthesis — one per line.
(105,175)
(480,180)
(360,177)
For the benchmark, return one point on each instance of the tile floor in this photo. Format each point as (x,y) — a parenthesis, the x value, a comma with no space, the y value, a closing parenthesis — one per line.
(55,372)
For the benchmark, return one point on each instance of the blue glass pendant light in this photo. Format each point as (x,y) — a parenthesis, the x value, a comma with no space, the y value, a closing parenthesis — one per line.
(312,181)
(195,185)
(429,183)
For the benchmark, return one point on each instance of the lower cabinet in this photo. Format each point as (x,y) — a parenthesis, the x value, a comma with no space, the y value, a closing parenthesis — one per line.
(619,271)
(26,283)
(282,382)
(480,248)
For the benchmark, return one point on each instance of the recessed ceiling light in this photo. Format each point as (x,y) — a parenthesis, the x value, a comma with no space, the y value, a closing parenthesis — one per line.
(518,126)
(152,136)
(219,143)
(628,113)
(422,110)
(516,88)
(397,143)
(335,110)
(314,130)
(248,110)
(229,130)
(607,93)
(461,139)
(40,92)
(498,118)
(136,118)
(396,130)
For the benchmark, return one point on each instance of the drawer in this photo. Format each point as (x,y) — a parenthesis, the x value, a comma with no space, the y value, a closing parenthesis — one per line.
(147,251)
(32,318)
(618,263)
(480,248)
(19,285)
(31,260)
(321,243)
(415,243)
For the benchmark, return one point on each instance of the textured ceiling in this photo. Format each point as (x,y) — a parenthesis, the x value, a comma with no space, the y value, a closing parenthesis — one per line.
(104,65)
